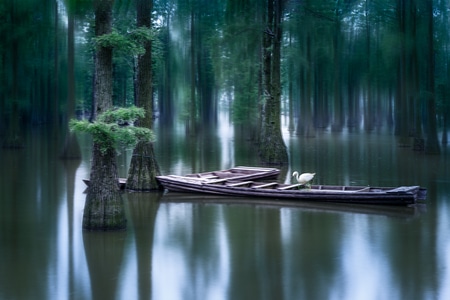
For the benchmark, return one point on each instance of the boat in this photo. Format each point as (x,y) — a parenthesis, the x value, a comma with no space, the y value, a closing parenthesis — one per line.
(122,182)
(235,173)
(402,195)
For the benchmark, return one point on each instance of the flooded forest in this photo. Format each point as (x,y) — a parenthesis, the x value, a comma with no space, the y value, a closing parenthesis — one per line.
(346,65)
(355,91)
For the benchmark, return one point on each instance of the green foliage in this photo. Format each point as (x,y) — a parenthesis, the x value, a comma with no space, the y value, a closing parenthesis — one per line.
(122,115)
(141,35)
(115,128)
(112,40)
(132,43)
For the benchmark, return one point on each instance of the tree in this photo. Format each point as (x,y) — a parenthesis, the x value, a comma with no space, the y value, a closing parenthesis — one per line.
(240,62)
(71,148)
(104,208)
(272,148)
(14,138)
(144,167)
(432,144)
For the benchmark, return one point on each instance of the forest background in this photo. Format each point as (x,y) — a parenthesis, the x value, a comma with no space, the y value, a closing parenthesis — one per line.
(344,65)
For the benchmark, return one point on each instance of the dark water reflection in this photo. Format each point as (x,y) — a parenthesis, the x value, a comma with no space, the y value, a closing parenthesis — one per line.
(184,247)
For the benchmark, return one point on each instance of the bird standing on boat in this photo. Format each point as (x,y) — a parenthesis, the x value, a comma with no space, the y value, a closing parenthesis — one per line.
(304,178)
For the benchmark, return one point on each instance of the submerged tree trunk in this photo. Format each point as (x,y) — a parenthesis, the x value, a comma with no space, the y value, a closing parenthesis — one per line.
(104,209)
(144,167)
(272,148)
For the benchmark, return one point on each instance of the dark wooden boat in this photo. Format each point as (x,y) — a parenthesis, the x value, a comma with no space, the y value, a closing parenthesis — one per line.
(122,182)
(236,173)
(403,195)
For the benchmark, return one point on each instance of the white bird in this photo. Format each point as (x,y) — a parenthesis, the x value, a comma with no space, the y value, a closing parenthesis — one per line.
(303,178)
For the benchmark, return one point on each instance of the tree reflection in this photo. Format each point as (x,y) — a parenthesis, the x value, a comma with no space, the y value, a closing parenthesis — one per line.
(104,255)
(143,208)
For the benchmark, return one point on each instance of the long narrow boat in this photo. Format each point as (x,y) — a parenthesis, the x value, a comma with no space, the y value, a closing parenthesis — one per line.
(235,173)
(402,195)
(122,182)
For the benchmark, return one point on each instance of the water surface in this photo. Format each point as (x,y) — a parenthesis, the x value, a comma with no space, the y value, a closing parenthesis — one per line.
(180,246)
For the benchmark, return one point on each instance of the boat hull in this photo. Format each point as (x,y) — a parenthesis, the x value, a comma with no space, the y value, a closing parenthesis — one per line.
(122,182)
(338,194)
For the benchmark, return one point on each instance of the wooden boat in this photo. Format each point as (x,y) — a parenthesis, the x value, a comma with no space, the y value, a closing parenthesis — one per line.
(236,173)
(403,195)
(122,182)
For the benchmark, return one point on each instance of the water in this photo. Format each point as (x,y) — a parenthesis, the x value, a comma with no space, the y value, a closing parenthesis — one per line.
(180,246)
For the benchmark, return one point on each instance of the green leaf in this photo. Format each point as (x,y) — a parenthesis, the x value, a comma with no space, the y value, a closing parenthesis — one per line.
(115,128)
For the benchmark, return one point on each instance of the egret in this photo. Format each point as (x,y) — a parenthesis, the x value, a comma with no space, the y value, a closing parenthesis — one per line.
(303,178)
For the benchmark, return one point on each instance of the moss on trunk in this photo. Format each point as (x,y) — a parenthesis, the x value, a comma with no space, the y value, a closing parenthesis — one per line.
(272,149)
(104,209)
(143,168)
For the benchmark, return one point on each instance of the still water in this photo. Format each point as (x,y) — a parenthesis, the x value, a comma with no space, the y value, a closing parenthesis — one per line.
(182,247)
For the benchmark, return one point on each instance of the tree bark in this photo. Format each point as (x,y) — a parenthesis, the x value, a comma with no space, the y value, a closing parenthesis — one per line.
(103,63)
(272,148)
(144,167)
(104,209)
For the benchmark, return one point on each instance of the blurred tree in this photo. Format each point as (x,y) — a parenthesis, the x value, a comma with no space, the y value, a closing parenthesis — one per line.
(71,149)
(239,63)
(432,144)
(11,63)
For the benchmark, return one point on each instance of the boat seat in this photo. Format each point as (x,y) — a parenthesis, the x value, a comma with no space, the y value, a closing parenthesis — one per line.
(208,176)
(217,180)
(271,184)
(403,189)
(290,186)
(240,183)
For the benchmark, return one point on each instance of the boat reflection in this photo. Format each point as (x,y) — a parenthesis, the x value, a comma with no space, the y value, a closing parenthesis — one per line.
(385,210)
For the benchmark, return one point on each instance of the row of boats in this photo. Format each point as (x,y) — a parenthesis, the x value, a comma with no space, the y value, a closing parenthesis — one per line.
(260,183)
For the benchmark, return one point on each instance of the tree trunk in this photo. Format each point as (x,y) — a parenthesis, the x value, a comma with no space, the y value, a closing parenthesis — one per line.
(103,62)
(144,167)
(71,148)
(192,121)
(401,106)
(272,148)
(104,209)
(431,143)
(13,137)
